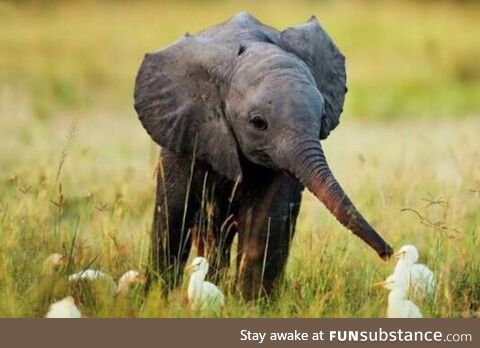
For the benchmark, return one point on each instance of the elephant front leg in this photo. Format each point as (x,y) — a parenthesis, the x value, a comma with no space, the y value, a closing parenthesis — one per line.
(170,245)
(173,218)
(214,235)
(266,229)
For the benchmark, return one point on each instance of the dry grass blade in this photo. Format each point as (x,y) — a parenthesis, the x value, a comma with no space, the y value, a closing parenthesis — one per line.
(67,143)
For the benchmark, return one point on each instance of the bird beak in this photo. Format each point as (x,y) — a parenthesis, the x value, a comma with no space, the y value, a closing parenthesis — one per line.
(189,268)
(379,283)
(142,278)
(398,254)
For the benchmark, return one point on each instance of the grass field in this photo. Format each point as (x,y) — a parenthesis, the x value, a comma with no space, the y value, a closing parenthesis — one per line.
(407,152)
(107,188)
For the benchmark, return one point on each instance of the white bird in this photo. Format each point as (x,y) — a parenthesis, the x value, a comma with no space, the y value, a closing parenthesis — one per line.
(64,309)
(398,306)
(417,277)
(129,278)
(89,274)
(202,294)
(92,275)
(89,281)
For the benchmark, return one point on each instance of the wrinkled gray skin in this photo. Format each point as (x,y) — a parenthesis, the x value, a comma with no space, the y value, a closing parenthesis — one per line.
(248,105)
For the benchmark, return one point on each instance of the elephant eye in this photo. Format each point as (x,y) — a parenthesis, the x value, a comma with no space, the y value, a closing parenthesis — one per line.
(259,122)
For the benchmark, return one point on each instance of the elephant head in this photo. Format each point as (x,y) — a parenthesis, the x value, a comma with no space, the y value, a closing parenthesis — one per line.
(244,89)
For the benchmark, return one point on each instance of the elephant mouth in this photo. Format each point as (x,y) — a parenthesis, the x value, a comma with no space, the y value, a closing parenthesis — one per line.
(288,174)
(262,158)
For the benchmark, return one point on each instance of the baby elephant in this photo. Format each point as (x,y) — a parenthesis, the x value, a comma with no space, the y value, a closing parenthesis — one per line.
(239,110)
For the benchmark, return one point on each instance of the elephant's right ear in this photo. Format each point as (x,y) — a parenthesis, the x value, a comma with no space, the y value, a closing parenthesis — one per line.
(178,100)
(311,43)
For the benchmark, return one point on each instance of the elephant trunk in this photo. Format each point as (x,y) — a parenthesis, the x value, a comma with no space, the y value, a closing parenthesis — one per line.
(311,168)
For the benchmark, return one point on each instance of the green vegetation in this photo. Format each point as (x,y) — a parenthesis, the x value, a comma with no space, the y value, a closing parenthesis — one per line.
(404,59)
(408,141)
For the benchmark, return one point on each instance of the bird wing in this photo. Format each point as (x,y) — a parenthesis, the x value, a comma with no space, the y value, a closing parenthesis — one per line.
(55,311)
(422,278)
(75,312)
(413,311)
(92,275)
(213,294)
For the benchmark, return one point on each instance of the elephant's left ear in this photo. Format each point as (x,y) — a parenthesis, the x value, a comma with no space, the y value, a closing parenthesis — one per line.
(178,98)
(312,44)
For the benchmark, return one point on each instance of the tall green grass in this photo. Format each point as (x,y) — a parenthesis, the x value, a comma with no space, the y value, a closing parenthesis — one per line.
(417,182)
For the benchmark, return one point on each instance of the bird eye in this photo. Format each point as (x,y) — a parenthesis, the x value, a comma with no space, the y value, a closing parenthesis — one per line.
(259,122)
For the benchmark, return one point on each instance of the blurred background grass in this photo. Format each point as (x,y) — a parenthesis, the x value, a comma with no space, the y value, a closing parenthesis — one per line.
(409,138)
(405,59)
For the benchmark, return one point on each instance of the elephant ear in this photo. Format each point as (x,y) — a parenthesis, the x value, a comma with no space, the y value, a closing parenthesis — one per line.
(178,100)
(312,44)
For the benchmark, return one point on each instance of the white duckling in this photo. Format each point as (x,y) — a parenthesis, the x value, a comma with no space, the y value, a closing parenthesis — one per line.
(129,278)
(202,294)
(90,274)
(90,281)
(398,306)
(65,308)
(417,277)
